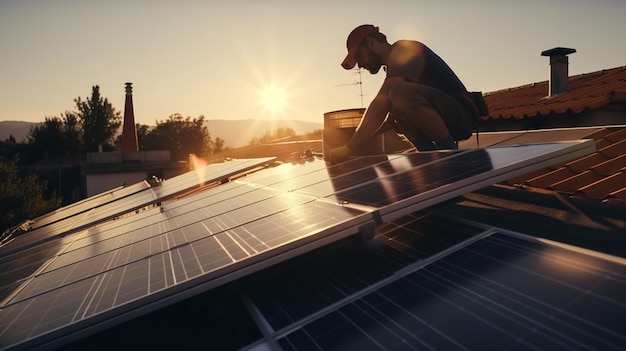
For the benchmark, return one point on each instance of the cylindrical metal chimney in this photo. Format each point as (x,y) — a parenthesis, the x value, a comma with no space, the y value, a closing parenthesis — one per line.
(129,131)
(559,75)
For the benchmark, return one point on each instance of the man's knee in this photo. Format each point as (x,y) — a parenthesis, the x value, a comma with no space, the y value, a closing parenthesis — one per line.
(406,96)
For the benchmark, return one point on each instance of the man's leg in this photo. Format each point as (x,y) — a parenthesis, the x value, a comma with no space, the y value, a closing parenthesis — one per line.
(420,142)
(428,121)
(419,119)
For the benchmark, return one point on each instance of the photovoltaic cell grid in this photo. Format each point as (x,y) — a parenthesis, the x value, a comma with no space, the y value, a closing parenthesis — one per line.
(26,254)
(176,246)
(295,291)
(88,204)
(111,204)
(500,292)
(161,255)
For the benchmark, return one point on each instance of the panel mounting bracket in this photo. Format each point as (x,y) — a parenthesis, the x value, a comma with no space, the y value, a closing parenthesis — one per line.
(367,231)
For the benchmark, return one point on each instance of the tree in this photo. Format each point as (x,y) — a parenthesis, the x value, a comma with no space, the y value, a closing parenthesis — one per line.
(44,138)
(10,147)
(316,134)
(55,137)
(73,133)
(181,136)
(22,198)
(269,136)
(99,120)
(142,132)
(218,145)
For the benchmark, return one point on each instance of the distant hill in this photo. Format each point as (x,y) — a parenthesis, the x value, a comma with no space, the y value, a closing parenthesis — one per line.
(235,133)
(18,129)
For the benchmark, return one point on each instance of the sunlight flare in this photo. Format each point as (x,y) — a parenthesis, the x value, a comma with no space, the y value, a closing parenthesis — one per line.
(274,87)
(274,98)
(198,165)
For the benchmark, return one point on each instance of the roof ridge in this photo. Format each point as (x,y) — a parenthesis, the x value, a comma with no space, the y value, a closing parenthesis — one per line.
(580,75)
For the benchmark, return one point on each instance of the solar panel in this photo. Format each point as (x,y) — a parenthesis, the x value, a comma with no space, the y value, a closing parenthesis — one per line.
(87,204)
(102,275)
(493,290)
(110,205)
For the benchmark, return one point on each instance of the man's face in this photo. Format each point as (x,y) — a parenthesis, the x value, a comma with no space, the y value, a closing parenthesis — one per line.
(368,59)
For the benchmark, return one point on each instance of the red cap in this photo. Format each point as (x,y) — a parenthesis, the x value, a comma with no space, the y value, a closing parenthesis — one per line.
(355,38)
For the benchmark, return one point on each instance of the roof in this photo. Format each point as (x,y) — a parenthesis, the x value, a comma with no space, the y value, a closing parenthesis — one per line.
(600,176)
(586,91)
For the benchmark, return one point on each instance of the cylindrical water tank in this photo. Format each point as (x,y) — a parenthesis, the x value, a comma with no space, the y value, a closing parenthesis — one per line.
(338,129)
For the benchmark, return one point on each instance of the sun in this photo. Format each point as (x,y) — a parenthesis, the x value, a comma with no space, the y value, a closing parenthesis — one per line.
(274,98)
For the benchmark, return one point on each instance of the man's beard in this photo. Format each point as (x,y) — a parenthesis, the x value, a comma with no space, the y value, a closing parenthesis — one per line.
(375,65)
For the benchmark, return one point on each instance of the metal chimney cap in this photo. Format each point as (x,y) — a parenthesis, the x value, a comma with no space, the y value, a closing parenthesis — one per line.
(558,51)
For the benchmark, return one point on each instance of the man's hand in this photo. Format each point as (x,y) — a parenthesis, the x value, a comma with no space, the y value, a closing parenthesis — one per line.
(338,154)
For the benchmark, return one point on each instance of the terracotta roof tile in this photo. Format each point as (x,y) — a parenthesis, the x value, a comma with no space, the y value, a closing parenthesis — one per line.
(586,91)
(602,143)
(618,197)
(578,173)
(520,180)
(611,166)
(614,150)
(600,133)
(586,162)
(616,136)
(618,95)
(573,184)
(602,188)
(547,179)
(596,176)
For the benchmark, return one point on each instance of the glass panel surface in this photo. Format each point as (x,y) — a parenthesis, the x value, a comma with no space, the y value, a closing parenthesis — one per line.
(499,293)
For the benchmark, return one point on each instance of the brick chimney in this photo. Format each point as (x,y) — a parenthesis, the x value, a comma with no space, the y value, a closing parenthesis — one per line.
(129,132)
(559,75)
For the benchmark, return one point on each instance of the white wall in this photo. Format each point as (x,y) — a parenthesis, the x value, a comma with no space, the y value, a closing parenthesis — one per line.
(98,183)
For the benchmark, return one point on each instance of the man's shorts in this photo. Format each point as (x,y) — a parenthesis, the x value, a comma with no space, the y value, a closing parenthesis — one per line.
(457,117)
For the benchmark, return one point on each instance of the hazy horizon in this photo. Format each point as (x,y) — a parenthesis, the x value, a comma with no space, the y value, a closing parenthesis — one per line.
(235,133)
(275,59)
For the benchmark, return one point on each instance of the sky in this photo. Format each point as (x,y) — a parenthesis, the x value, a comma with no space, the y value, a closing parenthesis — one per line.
(275,59)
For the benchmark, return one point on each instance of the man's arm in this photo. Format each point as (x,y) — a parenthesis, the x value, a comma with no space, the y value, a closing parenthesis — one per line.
(405,63)
(374,115)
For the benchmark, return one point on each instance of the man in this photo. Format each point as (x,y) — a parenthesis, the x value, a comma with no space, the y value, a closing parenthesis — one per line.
(423,97)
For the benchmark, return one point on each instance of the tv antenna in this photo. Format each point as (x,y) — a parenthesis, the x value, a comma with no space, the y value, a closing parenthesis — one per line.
(356,82)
